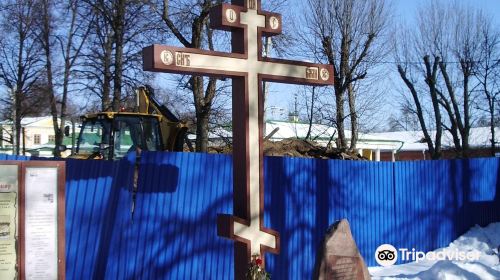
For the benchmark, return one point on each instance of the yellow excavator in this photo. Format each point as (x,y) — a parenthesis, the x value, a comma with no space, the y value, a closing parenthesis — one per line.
(151,126)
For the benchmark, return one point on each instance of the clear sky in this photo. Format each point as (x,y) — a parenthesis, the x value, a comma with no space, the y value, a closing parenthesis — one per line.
(407,8)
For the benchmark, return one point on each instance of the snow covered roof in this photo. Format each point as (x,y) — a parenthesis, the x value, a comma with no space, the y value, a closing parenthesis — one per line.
(322,133)
(399,140)
(220,132)
(298,130)
(216,133)
(319,133)
(413,140)
(481,136)
(34,121)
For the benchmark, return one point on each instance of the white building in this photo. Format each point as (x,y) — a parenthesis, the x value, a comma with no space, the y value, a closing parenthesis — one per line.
(414,145)
(387,146)
(37,136)
(370,146)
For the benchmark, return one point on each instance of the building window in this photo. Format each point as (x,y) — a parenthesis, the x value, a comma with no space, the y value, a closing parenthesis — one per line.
(52,138)
(37,139)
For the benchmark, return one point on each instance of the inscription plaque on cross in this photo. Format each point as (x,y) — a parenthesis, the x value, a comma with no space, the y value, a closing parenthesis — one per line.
(248,69)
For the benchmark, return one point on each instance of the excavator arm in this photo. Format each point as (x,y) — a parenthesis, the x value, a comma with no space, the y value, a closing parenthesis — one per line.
(173,131)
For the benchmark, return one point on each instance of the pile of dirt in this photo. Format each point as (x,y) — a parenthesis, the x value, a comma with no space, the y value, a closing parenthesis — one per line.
(297,148)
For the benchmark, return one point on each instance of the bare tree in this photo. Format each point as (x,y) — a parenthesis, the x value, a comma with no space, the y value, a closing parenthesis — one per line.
(407,119)
(430,76)
(47,41)
(97,66)
(418,54)
(119,31)
(310,111)
(118,24)
(19,60)
(67,40)
(464,48)
(189,24)
(488,73)
(349,35)
(451,35)
(315,102)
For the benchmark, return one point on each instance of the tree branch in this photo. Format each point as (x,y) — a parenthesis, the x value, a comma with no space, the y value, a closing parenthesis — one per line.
(172,26)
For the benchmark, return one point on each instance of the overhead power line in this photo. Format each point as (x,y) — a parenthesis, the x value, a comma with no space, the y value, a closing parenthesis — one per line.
(421,62)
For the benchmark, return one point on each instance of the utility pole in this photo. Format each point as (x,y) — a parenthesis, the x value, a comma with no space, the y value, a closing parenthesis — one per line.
(265,88)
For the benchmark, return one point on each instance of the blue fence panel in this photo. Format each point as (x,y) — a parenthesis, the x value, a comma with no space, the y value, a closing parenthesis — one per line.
(97,195)
(437,201)
(305,196)
(481,191)
(291,208)
(364,192)
(173,234)
(89,195)
(482,175)
(13,157)
(427,198)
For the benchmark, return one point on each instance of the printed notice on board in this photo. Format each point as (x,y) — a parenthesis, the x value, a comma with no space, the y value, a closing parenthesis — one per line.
(41,223)
(8,221)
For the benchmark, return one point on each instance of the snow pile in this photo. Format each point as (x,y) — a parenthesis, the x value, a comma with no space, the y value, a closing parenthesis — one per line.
(485,242)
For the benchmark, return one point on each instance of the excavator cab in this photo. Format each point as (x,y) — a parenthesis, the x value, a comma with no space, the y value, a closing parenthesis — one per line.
(94,139)
(112,135)
(135,134)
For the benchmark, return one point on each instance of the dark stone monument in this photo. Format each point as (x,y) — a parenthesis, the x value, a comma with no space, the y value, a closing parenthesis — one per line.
(339,257)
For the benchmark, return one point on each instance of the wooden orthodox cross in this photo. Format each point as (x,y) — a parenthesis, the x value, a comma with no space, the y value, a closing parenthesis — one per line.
(248,69)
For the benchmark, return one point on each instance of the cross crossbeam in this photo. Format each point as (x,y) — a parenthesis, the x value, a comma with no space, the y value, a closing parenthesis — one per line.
(218,64)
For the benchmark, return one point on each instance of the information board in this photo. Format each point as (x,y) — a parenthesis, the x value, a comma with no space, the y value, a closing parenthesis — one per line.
(32,220)
(9,181)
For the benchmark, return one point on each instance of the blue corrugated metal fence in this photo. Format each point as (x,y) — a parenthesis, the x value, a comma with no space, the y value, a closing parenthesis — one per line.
(172,232)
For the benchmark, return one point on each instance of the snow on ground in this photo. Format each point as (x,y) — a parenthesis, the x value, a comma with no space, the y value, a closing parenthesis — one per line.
(484,242)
